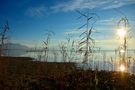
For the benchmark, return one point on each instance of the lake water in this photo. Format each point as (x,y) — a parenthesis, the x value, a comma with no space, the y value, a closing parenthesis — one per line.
(107,62)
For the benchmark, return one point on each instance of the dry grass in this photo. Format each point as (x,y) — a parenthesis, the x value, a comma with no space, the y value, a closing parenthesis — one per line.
(24,74)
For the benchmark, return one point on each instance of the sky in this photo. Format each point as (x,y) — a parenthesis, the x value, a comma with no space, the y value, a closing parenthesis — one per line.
(29,20)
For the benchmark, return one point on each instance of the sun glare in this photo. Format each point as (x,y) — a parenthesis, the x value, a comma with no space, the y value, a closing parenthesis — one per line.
(122,68)
(121,32)
(122,51)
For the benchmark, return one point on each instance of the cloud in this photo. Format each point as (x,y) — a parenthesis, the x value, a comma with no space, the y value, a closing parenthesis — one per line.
(38,11)
(110,21)
(107,43)
(91,4)
(75,31)
(119,3)
(113,43)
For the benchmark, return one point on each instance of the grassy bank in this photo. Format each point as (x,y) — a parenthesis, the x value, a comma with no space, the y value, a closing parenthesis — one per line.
(19,73)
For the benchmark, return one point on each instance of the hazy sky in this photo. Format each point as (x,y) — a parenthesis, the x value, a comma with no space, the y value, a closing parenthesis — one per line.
(29,19)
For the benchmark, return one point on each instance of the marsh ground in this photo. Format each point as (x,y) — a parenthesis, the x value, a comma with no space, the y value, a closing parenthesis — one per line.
(19,73)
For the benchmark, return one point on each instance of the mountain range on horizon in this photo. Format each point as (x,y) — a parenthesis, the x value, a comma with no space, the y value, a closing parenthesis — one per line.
(15,49)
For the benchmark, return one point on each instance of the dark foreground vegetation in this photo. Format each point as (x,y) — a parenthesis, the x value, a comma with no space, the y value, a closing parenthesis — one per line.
(25,74)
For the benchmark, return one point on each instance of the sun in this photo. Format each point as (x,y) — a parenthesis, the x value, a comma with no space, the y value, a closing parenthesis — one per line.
(121,32)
